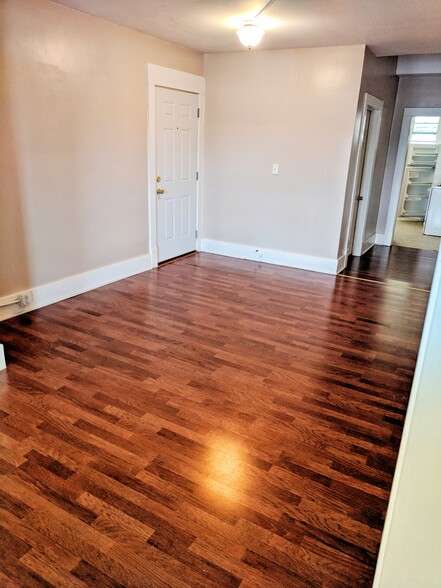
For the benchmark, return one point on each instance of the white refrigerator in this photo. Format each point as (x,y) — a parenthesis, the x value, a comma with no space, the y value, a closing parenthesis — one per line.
(432,223)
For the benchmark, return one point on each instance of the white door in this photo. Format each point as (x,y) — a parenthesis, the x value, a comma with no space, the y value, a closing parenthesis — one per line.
(360,181)
(176,167)
(362,237)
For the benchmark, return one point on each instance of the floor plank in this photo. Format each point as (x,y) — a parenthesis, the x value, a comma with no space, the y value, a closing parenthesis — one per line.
(215,422)
(394,265)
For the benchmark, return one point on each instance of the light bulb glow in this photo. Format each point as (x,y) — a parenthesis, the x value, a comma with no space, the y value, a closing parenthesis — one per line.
(250,34)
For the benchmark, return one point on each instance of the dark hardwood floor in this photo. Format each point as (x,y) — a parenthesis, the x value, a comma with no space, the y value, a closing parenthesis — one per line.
(215,422)
(395,265)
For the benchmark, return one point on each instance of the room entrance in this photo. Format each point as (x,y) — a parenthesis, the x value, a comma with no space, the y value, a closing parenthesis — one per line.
(175,137)
(414,191)
(176,171)
(421,173)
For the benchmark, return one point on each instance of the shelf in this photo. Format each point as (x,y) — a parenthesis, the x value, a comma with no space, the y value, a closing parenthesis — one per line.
(413,214)
(421,165)
(424,150)
(415,198)
(417,180)
(421,190)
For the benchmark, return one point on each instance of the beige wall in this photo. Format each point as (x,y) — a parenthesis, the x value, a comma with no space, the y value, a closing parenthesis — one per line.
(379,80)
(73,149)
(413,92)
(295,108)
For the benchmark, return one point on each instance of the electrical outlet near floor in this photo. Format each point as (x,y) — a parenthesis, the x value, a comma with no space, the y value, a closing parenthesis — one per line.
(25,299)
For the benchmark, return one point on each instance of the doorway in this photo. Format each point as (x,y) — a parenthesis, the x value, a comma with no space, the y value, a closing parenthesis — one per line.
(175,136)
(176,172)
(421,172)
(361,234)
(417,169)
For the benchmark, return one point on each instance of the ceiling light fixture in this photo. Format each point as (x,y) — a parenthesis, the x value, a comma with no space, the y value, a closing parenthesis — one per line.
(250,34)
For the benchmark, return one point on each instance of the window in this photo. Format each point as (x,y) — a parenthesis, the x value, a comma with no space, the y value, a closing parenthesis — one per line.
(424,129)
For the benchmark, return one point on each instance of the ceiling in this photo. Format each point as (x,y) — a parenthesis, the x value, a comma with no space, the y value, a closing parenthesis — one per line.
(388,27)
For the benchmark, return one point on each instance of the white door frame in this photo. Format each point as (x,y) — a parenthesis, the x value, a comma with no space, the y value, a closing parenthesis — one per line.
(186,82)
(359,245)
(400,163)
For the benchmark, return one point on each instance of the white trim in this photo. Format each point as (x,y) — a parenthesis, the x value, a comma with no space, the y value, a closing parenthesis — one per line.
(376,106)
(434,301)
(342,261)
(276,257)
(398,178)
(400,162)
(186,82)
(368,243)
(2,358)
(383,239)
(74,285)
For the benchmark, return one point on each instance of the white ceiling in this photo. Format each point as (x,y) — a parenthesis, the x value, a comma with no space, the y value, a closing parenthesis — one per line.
(388,27)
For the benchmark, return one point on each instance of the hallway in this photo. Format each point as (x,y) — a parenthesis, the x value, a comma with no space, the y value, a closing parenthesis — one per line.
(399,266)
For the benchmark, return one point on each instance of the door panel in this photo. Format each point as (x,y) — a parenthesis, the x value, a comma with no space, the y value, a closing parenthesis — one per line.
(364,236)
(361,174)
(185,215)
(169,216)
(176,166)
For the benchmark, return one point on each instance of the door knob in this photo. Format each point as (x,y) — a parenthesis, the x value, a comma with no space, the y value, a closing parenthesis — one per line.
(159,191)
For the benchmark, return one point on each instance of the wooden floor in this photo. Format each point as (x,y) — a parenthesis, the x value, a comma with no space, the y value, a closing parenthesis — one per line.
(394,265)
(215,422)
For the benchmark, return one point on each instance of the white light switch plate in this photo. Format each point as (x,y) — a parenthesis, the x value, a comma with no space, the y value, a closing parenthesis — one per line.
(275,169)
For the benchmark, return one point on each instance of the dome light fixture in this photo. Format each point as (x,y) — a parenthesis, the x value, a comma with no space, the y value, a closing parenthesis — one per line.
(250,34)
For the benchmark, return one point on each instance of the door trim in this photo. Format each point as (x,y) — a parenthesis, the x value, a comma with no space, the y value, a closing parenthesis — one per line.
(400,163)
(357,222)
(186,82)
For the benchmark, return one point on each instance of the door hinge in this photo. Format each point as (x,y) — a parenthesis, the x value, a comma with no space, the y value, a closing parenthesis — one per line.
(199,112)
(196,233)
(197,176)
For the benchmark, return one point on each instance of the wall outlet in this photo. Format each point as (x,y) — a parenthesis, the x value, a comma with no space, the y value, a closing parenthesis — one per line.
(25,299)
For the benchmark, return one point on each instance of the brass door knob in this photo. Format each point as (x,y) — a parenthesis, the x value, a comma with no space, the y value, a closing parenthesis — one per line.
(159,191)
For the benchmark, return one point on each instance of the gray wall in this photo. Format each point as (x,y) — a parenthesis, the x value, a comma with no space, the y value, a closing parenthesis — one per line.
(413,92)
(379,80)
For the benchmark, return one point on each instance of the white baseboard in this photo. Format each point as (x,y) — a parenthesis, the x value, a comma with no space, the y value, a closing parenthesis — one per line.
(276,257)
(74,285)
(154,257)
(368,243)
(383,239)
(342,261)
